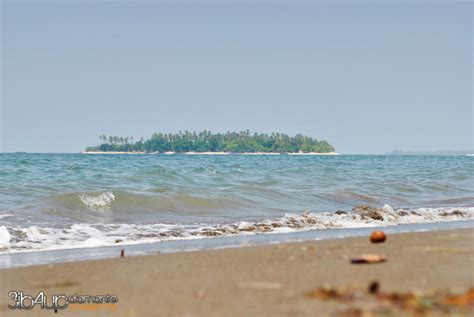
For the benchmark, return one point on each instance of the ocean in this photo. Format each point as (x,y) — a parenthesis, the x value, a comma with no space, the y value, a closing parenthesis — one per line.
(55,207)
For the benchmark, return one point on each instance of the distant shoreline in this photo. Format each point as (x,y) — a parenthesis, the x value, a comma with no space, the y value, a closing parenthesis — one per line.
(444,153)
(213,153)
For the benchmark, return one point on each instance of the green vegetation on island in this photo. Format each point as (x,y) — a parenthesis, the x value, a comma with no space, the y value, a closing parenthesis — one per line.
(205,141)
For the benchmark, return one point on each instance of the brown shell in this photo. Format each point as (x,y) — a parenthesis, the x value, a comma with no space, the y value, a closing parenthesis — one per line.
(369,259)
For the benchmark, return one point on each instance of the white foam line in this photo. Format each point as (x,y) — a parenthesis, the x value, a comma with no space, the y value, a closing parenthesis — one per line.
(33,238)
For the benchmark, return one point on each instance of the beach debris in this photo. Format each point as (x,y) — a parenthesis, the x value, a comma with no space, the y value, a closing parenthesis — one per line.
(347,293)
(456,212)
(369,212)
(378,236)
(261,285)
(263,227)
(465,299)
(212,233)
(122,253)
(368,259)
(370,301)
(373,287)
(403,213)
(353,312)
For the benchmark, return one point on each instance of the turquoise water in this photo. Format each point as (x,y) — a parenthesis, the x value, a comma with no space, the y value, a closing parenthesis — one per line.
(51,201)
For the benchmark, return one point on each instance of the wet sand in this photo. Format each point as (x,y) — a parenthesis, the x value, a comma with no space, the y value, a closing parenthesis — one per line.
(269,280)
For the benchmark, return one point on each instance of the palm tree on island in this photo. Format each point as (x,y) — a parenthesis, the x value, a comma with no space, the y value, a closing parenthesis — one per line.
(207,142)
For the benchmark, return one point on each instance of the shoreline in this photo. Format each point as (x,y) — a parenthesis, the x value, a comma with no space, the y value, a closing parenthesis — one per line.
(28,258)
(256,280)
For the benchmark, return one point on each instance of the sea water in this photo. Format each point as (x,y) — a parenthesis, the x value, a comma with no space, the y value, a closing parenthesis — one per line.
(70,201)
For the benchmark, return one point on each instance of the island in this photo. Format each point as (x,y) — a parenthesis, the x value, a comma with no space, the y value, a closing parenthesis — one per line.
(206,142)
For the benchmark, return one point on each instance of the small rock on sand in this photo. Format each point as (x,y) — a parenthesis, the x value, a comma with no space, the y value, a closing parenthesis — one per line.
(378,236)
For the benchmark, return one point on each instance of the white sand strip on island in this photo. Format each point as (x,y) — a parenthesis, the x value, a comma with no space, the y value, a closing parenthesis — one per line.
(313,153)
(207,153)
(112,152)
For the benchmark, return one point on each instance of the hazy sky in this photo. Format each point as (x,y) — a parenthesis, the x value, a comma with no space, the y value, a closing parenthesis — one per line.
(367,77)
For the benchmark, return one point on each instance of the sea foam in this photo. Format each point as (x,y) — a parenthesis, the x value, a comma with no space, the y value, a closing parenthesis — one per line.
(4,237)
(17,239)
(97,201)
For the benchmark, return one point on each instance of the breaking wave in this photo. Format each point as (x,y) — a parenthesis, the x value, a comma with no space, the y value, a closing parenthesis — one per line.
(101,200)
(34,238)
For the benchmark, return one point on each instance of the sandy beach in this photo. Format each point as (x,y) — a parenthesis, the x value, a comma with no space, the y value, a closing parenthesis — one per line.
(273,280)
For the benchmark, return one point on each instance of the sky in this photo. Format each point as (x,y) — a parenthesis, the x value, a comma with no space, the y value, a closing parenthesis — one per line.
(368,77)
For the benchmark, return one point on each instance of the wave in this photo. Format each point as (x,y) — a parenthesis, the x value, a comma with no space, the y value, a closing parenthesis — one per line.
(33,238)
(97,201)
(4,237)
(456,201)
(90,205)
